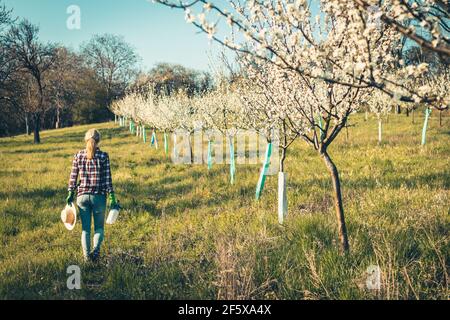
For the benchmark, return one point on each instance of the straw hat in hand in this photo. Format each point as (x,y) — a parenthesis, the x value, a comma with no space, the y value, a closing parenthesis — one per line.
(69,217)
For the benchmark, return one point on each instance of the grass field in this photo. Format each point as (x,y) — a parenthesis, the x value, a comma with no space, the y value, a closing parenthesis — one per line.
(187,234)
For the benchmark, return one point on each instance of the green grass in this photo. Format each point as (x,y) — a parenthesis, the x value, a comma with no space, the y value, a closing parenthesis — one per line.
(187,234)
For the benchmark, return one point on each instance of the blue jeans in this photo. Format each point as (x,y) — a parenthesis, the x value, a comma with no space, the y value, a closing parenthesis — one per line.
(92,206)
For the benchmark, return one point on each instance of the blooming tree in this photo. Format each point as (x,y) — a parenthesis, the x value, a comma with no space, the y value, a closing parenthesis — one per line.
(441,83)
(340,54)
(269,103)
(425,22)
(381,108)
(164,113)
(221,112)
(327,107)
(165,119)
(358,38)
(312,109)
(185,117)
(128,107)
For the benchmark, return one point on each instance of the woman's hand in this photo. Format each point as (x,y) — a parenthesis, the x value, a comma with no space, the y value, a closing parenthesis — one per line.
(112,200)
(70,198)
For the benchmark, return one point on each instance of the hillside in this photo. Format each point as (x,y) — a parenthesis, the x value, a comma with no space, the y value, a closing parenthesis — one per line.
(186,233)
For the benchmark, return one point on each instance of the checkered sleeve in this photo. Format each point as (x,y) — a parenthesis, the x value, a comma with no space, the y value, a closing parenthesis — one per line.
(74,174)
(107,176)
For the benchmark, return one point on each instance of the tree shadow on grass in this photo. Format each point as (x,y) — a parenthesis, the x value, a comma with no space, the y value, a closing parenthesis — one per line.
(34,196)
(118,144)
(177,190)
(395,182)
(7,173)
(354,189)
(369,183)
(78,136)
(31,151)
(153,161)
(171,179)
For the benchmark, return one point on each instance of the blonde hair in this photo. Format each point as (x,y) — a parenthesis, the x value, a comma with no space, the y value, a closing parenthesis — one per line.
(92,139)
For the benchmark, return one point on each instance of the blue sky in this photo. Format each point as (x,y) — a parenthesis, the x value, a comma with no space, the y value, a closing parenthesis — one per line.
(158,33)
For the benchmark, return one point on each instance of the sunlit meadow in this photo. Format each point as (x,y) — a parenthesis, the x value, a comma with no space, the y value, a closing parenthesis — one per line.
(186,233)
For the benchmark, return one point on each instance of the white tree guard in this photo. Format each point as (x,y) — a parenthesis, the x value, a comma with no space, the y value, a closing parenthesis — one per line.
(282,197)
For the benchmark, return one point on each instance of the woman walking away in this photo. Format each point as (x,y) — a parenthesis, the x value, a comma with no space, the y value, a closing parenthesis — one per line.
(93,167)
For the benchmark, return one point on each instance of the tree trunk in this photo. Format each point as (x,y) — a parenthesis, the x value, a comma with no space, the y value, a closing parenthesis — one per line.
(342,229)
(27,125)
(232,160)
(413,116)
(58,118)
(440,118)
(283,158)
(191,150)
(407,112)
(37,115)
(37,128)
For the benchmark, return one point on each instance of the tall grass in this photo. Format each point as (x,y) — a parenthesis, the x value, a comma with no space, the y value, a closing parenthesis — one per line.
(185,233)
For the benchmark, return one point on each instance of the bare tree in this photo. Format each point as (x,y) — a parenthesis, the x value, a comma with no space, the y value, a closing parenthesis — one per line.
(7,63)
(9,103)
(114,62)
(5,16)
(62,81)
(35,59)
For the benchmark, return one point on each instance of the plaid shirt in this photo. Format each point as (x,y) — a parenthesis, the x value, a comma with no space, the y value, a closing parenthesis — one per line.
(95,174)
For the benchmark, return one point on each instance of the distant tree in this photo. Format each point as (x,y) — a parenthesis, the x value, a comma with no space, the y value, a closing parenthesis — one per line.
(416,55)
(168,78)
(50,86)
(90,97)
(11,111)
(62,82)
(7,63)
(33,58)
(114,62)
(13,114)
(5,15)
